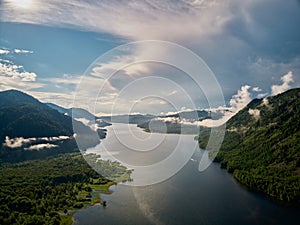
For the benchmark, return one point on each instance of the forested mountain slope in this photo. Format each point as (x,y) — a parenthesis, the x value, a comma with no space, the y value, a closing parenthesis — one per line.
(23,117)
(261,146)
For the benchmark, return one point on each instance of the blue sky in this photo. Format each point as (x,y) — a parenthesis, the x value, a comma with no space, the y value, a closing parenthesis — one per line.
(46,46)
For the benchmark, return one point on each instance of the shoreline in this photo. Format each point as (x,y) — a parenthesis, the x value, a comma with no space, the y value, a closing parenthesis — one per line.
(97,189)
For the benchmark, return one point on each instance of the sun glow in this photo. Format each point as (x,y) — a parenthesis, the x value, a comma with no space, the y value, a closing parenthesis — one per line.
(25,4)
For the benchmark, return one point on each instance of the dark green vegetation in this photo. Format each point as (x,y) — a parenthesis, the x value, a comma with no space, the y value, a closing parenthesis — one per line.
(158,126)
(263,152)
(24,116)
(132,119)
(39,192)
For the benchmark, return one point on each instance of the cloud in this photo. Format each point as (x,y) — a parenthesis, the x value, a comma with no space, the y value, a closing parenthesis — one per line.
(4,51)
(241,99)
(16,72)
(65,79)
(16,77)
(237,102)
(256,89)
(21,142)
(17,142)
(233,37)
(41,146)
(265,102)
(17,51)
(59,98)
(144,19)
(261,95)
(254,112)
(13,76)
(7,83)
(22,51)
(286,79)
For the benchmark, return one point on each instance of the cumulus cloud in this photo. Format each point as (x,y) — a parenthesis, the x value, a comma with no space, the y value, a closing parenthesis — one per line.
(204,26)
(15,76)
(237,102)
(16,72)
(254,112)
(286,79)
(241,99)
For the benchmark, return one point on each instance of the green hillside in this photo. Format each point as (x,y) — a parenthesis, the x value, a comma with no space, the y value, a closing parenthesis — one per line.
(261,146)
(21,115)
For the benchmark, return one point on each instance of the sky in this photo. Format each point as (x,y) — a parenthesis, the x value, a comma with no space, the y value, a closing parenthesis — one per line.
(47,48)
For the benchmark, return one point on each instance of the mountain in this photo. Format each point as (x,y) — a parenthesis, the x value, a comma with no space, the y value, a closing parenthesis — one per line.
(22,116)
(132,119)
(57,108)
(261,146)
(178,123)
(78,113)
(190,115)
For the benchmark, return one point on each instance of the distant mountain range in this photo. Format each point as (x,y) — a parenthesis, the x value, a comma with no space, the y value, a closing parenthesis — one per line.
(22,116)
(131,119)
(178,123)
(78,113)
(262,148)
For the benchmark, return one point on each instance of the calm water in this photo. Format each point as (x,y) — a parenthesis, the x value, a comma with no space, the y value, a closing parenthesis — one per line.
(211,197)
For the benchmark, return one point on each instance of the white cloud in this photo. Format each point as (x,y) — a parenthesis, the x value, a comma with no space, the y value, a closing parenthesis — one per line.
(265,101)
(4,51)
(65,79)
(286,79)
(7,83)
(41,146)
(198,24)
(254,112)
(15,77)
(22,51)
(237,102)
(17,51)
(241,99)
(256,89)
(20,141)
(62,99)
(6,61)
(17,142)
(15,71)
(261,95)
(144,19)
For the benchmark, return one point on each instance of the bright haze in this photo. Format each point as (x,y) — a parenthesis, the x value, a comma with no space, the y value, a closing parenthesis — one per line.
(252,46)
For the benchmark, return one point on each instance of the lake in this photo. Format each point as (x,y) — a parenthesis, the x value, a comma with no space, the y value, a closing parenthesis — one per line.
(211,197)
